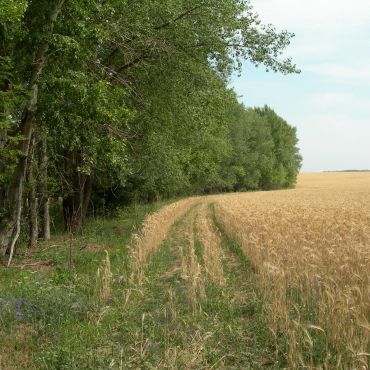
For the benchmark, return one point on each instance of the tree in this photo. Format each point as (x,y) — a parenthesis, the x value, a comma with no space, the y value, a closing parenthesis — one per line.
(123,95)
(10,229)
(287,158)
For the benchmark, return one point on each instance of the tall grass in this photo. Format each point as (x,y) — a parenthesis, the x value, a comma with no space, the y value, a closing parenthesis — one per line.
(155,230)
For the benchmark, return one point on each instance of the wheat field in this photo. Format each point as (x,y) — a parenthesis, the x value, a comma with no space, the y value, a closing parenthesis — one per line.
(308,247)
(311,248)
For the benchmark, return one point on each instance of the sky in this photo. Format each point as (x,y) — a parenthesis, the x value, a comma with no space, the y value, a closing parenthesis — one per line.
(329,102)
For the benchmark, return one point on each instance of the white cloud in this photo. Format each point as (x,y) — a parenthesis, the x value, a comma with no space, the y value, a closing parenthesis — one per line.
(323,28)
(341,72)
(324,48)
(339,101)
(333,15)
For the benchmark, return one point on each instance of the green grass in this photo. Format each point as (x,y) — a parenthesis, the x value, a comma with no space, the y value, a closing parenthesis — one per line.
(247,312)
(55,306)
(53,317)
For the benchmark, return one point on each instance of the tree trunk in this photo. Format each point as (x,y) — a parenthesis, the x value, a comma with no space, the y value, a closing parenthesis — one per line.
(46,219)
(45,199)
(87,197)
(9,232)
(32,198)
(34,226)
(75,205)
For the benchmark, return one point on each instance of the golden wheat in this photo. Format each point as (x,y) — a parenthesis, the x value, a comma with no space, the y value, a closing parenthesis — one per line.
(155,230)
(311,247)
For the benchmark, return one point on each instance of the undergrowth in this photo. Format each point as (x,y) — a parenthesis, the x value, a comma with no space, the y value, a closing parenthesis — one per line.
(51,314)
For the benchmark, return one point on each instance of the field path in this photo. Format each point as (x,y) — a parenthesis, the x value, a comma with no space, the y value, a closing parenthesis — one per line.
(197,307)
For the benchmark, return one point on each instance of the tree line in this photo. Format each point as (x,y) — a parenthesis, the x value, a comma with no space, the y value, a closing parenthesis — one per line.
(110,102)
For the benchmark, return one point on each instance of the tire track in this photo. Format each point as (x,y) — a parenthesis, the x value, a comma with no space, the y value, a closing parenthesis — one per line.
(197,308)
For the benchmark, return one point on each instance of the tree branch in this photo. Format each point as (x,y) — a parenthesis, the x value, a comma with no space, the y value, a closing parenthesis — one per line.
(166,24)
(179,17)
(133,62)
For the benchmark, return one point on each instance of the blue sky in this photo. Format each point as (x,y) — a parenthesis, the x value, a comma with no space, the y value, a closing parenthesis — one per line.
(329,102)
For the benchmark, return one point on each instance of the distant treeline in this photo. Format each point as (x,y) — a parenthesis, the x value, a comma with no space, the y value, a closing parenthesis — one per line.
(106,103)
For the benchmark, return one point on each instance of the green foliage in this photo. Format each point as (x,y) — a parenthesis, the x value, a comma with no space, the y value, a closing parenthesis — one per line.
(286,154)
(265,153)
(11,91)
(135,100)
(181,133)
(93,124)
